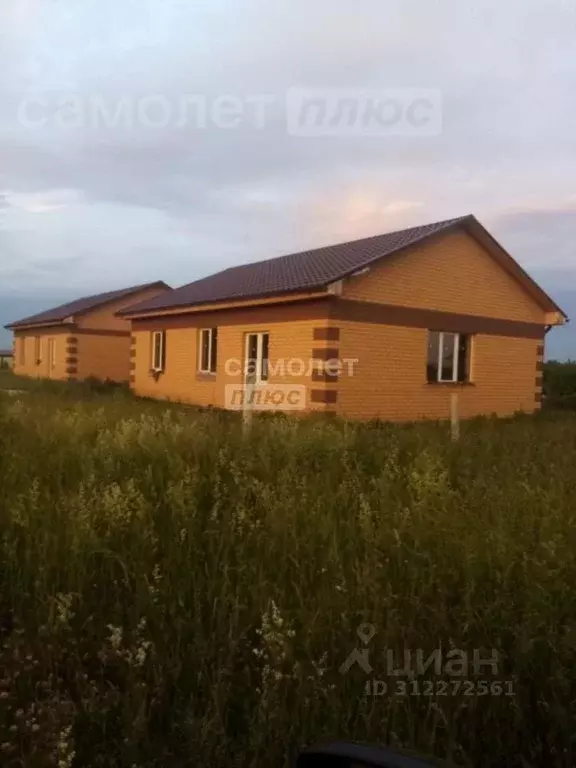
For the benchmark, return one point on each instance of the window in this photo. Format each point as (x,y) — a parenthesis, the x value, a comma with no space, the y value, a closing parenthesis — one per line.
(257,345)
(208,350)
(38,349)
(22,344)
(448,357)
(158,351)
(52,353)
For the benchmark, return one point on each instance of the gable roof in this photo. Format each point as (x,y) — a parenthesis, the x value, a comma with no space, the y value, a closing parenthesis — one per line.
(6,353)
(314,270)
(296,272)
(81,306)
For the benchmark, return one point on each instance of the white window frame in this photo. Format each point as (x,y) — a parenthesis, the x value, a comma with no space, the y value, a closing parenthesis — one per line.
(455,353)
(210,332)
(158,366)
(259,358)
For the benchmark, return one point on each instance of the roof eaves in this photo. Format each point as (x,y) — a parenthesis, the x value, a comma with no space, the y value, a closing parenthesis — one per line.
(221,303)
(40,324)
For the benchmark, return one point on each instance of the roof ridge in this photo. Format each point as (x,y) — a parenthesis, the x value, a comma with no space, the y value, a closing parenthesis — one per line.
(439,226)
(356,240)
(311,251)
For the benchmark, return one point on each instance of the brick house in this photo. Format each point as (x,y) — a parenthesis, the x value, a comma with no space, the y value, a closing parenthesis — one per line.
(80,339)
(385,327)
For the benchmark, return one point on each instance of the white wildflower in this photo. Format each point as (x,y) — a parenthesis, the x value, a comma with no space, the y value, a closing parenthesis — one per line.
(276,635)
(116,635)
(64,608)
(142,651)
(65,748)
(320,665)
(153,587)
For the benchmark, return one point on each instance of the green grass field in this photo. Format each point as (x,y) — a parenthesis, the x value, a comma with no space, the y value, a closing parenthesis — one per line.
(174,594)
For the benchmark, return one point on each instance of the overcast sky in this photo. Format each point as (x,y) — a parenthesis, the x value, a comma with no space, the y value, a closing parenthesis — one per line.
(91,201)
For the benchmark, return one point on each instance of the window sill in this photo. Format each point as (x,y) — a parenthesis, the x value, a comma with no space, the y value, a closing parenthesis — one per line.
(451,384)
(205,376)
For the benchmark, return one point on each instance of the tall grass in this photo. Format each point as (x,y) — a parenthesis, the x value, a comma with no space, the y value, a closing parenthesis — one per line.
(560,384)
(174,594)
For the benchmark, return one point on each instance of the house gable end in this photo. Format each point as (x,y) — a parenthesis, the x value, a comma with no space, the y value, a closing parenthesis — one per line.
(105,317)
(452,272)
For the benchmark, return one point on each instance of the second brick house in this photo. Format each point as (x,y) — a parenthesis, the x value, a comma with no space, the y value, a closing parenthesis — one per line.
(80,339)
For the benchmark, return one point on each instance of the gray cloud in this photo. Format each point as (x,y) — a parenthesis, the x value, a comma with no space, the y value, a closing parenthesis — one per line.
(88,204)
(545,238)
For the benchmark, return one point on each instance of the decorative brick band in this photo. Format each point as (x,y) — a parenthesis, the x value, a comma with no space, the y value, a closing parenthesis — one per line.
(133,352)
(326,334)
(539,380)
(71,360)
(327,396)
(101,332)
(325,354)
(433,320)
(325,376)
(316,309)
(132,366)
(72,350)
(71,340)
(336,309)
(71,369)
(320,372)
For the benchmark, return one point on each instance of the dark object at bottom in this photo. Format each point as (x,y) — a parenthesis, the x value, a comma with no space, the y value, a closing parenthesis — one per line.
(342,754)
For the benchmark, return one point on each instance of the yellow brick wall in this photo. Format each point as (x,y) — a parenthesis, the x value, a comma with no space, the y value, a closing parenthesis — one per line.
(452,274)
(105,318)
(44,369)
(389,381)
(181,382)
(103,356)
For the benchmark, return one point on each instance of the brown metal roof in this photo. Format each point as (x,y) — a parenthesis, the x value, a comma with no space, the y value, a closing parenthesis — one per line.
(81,306)
(305,271)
